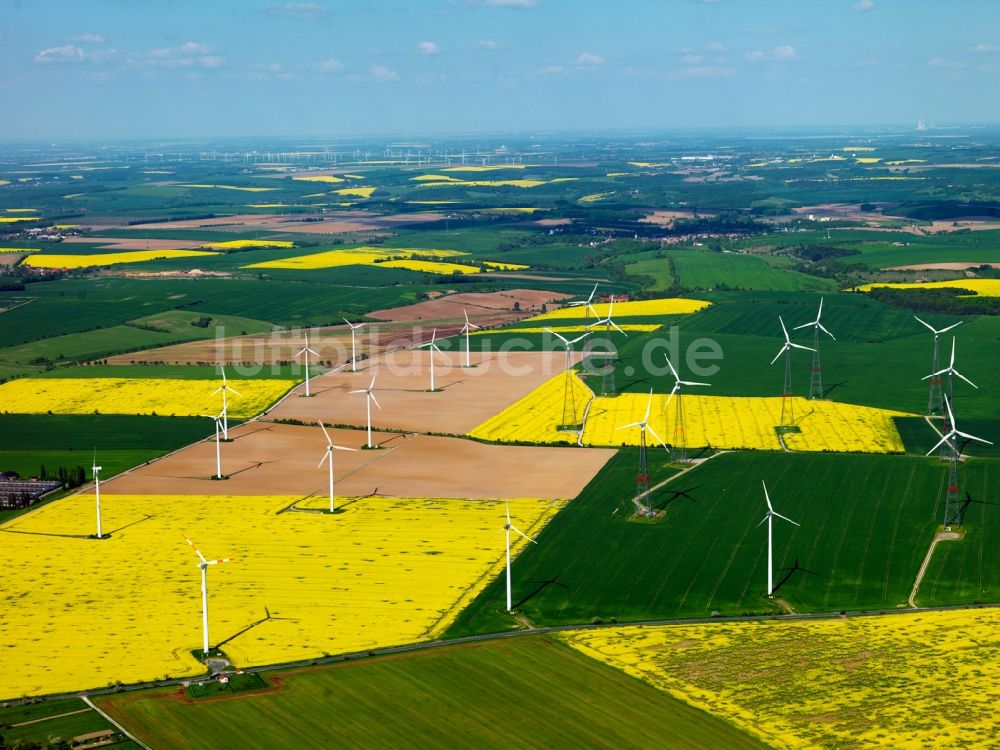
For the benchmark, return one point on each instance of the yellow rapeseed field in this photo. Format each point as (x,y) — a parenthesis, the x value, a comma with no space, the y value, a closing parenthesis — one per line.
(486,183)
(982,287)
(359,192)
(733,422)
(536,417)
(48,260)
(233,187)
(319,178)
(165,397)
(511,210)
(486,168)
(12,219)
(430,266)
(355,256)
(914,680)
(505,266)
(80,613)
(236,244)
(597,330)
(19,249)
(640,308)
(868,159)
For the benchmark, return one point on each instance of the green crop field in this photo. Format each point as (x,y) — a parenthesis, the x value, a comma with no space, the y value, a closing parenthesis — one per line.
(21,725)
(528,692)
(704,270)
(866,524)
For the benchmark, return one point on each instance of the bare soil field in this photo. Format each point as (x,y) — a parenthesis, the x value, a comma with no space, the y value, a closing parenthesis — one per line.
(277,459)
(465,397)
(345,221)
(138,243)
(10,259)
(489,308)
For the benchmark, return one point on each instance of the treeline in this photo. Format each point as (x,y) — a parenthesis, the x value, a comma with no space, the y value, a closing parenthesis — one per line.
(70,477)
(939,299)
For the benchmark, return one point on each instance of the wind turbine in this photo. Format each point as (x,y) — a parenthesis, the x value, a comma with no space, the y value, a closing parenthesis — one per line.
(786,394)
(952,502)
(97,493)
(354,356)
(569,395)
(935,399)
(466,329)
(608,387)
(951,372)
(369,398)
(223,389)
(816,383)
(508,527)
(328,457)
(307,351)
(642,480)
(431,348)
(218,448)
(203,566)
(769,517)
(587,304)
(678,449)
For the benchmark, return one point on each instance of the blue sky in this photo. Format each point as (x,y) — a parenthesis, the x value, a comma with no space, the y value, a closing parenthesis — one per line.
(189,68)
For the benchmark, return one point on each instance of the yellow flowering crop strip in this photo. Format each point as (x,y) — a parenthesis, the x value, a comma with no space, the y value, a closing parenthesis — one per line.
(79,613)
(165,397)
(487,183)
(430,266)
(511,210)
(489,168)
(12,219)
(19,249)
(359,192)
(319,178)
(735,422)
(237,244)
(536,417)
(355,256)
(48,260)
(905,681)
(982,287)
(233,187)
(627,327)
(639,308)
(505,266)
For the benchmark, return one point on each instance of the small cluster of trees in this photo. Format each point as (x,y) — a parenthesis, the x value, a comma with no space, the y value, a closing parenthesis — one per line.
(70,477)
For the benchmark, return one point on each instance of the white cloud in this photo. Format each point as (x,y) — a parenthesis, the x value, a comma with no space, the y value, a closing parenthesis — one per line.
(550,70)
(986,48)
(382,74)
(512,3)
(89,38)
(187,49)
(297,10)
(941,63)
(700,71)
(692,59)
(188,55)
(488,44)
(589,58)
(66,53)
(781,53)
(429,48)
(331,65)
(716,47)
(864,5)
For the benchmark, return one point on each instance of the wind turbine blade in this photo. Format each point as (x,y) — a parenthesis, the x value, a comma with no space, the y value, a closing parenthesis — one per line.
(692,382)
(649,405)
(372,397)
(951,415)
(557,336)
(960,375)
(672,370)
(372,384)
(627,426)
(767,497)
(786,518)
(820,313)
(973,437)
(780,352)
(935,374)
(342,448)
(951,365)
(323,460)
(658,438)
(953,325)
(312,352)
(508,512)
(928,326)
(670,397)
(799,346)
(806,325)
(514,528)
(826,331)
(362,390)
(325,433)
(196,550)
(217,390)
(617,328)
(940,442)
(763,520)
(781,320)
(302,351)
(578,338)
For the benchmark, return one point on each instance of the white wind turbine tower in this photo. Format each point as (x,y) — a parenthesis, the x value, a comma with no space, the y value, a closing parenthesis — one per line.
(678,448)
(218,445)
(951,372)
(949,441)
(203,566)
(816,383)
(608,387)
(354,350)
(307,351)
(369,398)
(935,399)
(97,493)
(569,395)
(224,389)
(642,479)
(328,457)
(508,527)
(431,348)
(769,517)
(466,329)
(786,394)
